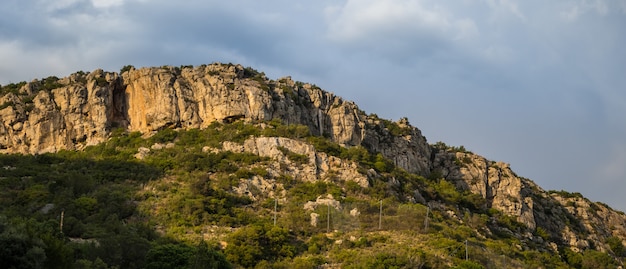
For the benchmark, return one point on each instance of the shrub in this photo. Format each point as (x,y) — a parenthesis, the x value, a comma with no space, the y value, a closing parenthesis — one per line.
(251,244)
(615,243)
(469,265)
(101,81)
(126,68)
(6,104)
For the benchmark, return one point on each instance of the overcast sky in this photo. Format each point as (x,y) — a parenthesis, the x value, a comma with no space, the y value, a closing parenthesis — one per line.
(538,84)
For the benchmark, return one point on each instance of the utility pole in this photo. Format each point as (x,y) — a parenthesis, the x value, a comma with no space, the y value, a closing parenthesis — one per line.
(61,222)
(275,207)
(426,219)
(380,215)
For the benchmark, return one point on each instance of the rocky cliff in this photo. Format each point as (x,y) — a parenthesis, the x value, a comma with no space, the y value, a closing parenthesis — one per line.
(566,218)
(83,109)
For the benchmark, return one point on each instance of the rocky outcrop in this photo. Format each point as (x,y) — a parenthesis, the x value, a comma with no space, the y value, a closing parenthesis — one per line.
(566,218)
(318,165)
(494,181)
(78,113)
(84,108)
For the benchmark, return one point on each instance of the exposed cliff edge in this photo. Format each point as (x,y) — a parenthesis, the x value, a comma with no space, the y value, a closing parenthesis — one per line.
(83,109)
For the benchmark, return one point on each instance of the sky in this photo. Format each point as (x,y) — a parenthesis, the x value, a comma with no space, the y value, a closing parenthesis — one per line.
(537,84)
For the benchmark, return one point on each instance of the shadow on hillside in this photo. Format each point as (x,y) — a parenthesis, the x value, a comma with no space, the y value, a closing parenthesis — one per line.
(75,208)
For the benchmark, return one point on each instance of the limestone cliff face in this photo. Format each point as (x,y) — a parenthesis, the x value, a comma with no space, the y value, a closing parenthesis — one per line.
(84,108)
(568,219)
(494,181)
(78,113)
(318,166)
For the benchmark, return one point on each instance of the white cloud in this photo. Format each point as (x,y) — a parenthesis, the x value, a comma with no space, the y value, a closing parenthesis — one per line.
(504,8)
(106,3)
(397,29)
(576,9)
(360,20)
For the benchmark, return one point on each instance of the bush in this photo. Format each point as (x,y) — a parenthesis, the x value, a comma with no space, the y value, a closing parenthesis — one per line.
(126,68)
(168,256)
(615,243)
(469,265)
(251,244)
(597,260)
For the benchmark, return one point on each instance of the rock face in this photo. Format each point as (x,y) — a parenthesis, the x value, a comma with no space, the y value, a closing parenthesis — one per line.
(72,116)
(494,181)
(85,108)
(318,166)
(569,219)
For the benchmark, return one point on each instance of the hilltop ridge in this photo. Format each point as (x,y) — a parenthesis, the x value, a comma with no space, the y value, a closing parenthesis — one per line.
(86,110)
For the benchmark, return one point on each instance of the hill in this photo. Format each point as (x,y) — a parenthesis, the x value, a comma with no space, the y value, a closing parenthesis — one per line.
(219,165)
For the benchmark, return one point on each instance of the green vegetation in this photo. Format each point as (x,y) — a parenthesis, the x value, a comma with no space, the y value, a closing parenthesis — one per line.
(6,104)
(126,68)
(50,83)
(188,203)
(101,81)
(12,88)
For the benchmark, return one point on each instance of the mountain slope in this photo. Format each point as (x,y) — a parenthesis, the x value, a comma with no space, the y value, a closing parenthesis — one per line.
(230,151)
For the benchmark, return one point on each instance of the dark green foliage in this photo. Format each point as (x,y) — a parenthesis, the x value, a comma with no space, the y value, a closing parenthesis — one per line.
(101,81)
(442,146)
(294,157)
(164,136)
(249,72)
(597,260)
(395,129)
(254,243)
(325,145)
(309,191)
(169,256)
(566,194)
(469,265)
(126,68)
(20,251)
(573,259)
(94,197)
(382,164)
(381,261)
(12,88)
(113,204)
(6,104)
(615,243)
(206,257)
(50,83)
(276,128)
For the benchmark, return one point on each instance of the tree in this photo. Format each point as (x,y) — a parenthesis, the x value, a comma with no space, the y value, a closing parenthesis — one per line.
(19,251)
(593,259)
(616,245)
(126,68)
(252,244)
(169,256)
(206,257)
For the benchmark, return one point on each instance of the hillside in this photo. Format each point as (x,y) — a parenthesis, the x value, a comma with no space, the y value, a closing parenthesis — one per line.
(219,165)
